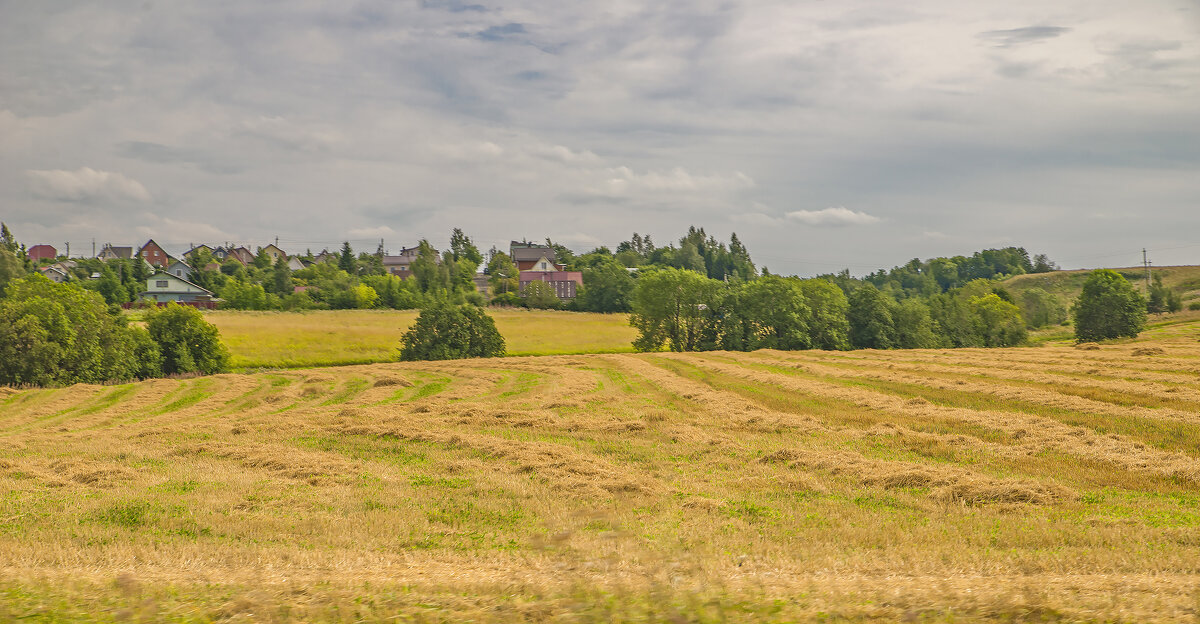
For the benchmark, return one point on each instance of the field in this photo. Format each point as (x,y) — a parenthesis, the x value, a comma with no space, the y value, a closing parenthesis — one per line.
(336,337)
(1039,484)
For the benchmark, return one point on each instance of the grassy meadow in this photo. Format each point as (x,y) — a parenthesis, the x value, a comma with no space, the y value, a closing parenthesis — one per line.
(337,337)
(1033,484)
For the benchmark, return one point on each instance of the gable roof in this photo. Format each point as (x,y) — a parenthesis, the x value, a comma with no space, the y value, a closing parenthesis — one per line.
(524,252)
(164,274)
(124,253)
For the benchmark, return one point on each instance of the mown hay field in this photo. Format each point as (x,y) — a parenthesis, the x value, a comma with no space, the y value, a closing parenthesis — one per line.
(337,337)
(1035,484)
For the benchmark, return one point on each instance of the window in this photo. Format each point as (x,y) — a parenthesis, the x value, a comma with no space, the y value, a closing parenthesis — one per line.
(160,284)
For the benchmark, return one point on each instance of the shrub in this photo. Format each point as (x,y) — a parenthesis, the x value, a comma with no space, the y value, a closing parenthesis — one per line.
(1108,307)
(1195,305)
(188,343)
(448,332)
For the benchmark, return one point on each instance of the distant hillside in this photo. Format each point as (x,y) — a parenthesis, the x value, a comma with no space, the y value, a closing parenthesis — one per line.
(1068,284)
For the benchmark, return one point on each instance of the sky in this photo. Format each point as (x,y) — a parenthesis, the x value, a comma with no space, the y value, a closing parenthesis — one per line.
(828,135)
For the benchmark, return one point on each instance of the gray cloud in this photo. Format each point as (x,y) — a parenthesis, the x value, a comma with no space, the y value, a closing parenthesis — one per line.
(1020,36)
(318,122)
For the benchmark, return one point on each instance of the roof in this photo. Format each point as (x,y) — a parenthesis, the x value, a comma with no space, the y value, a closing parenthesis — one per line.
(161,274)
(124,253)
(527,253)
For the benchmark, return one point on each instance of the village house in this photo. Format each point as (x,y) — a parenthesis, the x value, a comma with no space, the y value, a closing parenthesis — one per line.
(533,257)
(275,253)
(164,287)
(41,252)
(539,263)
(326,256)
(108,252)
(179,269)
(154,255)
(295,263)
(54,273)
(400,265)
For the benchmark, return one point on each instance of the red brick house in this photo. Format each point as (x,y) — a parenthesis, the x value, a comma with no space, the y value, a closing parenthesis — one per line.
(41,252)
(154,255)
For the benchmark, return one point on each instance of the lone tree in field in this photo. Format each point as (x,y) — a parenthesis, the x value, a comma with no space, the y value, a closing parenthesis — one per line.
(445,331)
(1109,307)
(189,344)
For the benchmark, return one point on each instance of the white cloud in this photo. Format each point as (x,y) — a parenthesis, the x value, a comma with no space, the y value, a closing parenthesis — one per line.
(85,185)
(831,217)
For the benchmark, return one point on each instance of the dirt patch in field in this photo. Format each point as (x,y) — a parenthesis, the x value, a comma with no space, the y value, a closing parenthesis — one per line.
(1141,351)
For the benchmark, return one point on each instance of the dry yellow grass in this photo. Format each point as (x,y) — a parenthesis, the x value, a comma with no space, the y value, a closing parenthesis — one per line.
(336,337)
(1044,484)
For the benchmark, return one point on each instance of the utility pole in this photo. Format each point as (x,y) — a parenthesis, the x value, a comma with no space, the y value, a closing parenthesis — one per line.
(1146,264)
(68,244)
(93,247)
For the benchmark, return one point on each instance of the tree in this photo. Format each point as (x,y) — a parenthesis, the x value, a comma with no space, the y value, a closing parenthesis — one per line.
(1040,308)
(776,314)
(281,277)
(914,325)
(11,268)
(346,259)
(677,308)
(998,322)
(425,269)
(463,250)
(870,316)
(607,287)
(1162,299)
(540,295)
(188,343)
(262,259)
(445,331)
(60,334)
(7,240)
(828,327)
(503,274)
(1108,307)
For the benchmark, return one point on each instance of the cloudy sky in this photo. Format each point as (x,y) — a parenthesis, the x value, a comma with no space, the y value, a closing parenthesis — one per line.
(828,135)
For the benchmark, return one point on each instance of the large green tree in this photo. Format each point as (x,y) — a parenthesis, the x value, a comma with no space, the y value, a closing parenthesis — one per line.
(775,314)
(60,334)
(677,308)
(607,287)
(1108,307)
(870,316)
(502,274)
(189,344)
(445,331)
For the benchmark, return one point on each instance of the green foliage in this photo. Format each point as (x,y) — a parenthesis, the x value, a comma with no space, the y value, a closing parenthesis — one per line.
(607,287)
(775,312)
(187,342)
(676,308)
(829,326)
(540,295)
(54,334)
(240,295)
(870,317)
(507,299)
(8,242)
(1040,308)
(502,274)
(914,325)
(1108,307)
(1162,299)
(281,278)
(11,267)
(346,260)
(997,322)
(446,332)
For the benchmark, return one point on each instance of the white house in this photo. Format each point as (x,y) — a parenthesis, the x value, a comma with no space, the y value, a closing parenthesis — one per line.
(179,269)
(164,287)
